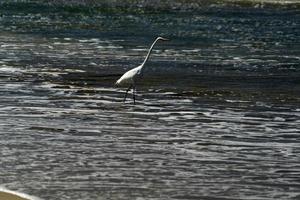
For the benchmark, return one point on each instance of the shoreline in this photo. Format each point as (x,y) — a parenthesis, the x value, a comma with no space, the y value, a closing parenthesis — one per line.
(6,195)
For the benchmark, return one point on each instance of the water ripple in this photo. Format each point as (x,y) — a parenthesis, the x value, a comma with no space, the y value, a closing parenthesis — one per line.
(217,115)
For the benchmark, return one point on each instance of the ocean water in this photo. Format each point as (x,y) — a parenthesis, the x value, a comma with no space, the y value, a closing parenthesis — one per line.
(217,113)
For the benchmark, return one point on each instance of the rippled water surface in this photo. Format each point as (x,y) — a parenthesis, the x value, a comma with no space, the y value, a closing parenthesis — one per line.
(217,115)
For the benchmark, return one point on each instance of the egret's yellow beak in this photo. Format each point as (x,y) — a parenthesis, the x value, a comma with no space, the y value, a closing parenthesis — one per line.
(164,39)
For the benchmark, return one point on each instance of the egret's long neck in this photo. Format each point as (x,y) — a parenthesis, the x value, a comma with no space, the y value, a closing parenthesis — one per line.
(149,52)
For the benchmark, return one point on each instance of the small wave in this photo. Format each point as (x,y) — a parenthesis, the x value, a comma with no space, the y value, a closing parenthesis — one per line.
(236,101)
(9,69)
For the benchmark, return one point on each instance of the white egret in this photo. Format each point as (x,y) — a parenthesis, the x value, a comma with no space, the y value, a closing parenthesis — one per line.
(130,77)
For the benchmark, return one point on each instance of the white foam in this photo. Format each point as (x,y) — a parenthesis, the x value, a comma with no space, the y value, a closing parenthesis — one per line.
(279,119)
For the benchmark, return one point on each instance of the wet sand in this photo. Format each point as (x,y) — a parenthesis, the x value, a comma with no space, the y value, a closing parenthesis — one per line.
(10,196)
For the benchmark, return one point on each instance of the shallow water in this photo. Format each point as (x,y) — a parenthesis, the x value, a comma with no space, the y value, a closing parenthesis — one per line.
(217,115)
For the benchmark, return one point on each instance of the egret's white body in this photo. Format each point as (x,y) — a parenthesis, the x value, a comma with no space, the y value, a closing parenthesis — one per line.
(130,77)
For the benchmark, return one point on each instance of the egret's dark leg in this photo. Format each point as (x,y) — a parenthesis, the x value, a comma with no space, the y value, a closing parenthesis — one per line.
(127,92)
(133,94)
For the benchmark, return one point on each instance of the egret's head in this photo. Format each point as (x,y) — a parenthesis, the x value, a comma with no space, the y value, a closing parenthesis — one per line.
(163,39)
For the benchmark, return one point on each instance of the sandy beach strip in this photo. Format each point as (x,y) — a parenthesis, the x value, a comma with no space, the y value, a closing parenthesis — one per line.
(10,196)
